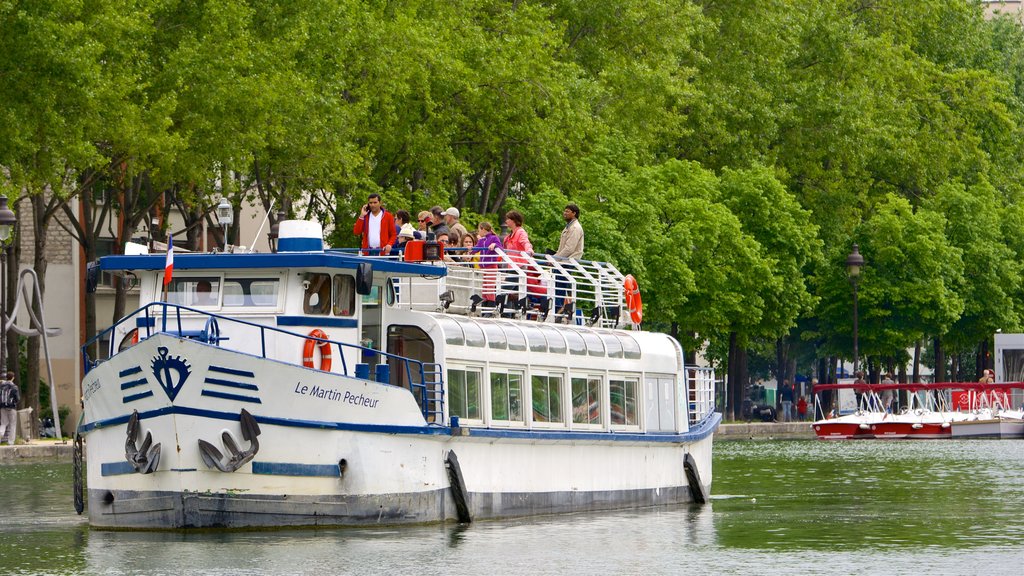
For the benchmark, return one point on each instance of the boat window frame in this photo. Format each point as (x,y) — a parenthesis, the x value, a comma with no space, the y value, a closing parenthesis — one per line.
(495,336)
(217,287)
(513,330)
(467,369)
(636,380)
(450,338)
(610,338)
(229,277)
(548,373)
(536,341)
(550,333)
(569,335)
(523,395)
(591,337)
(313,284)
(350,280)
(602,395)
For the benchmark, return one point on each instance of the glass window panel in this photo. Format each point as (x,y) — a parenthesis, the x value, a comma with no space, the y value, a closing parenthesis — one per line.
(344,295)
(630,347)
(516,340)
(495,335)
(623,398)
(555,341)
(506,396)
(195,291)
(594,345)
(547,398)
(575,342)
(452,331)
(317,296)
(536,339)
(586,400)
(464,393)
(474,335)
(612,344)
(250,291)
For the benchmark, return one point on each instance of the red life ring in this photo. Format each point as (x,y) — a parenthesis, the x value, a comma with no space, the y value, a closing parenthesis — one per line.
(323,345)
(634,303)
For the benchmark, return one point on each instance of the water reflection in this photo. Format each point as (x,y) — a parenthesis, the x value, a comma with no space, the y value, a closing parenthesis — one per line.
(778,508)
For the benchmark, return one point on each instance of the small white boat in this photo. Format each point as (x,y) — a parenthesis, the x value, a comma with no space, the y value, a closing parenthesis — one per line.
(311,387)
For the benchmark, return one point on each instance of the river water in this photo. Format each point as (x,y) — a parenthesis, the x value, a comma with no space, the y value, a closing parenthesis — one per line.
(779,507)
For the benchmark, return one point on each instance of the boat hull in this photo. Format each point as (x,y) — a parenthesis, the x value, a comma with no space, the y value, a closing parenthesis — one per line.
(358,453)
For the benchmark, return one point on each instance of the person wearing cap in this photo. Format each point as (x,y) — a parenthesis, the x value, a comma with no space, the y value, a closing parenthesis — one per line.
(455,230)
(437,225)
(405,234)
(376,226)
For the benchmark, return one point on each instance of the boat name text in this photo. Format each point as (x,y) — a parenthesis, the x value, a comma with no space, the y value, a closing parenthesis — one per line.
(336,396)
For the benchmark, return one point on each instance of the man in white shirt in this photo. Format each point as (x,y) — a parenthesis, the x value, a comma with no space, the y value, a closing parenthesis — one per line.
(376,226)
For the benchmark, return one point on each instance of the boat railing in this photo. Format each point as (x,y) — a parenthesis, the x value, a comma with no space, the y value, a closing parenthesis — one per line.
(514,284)
(701,386)
(424,380)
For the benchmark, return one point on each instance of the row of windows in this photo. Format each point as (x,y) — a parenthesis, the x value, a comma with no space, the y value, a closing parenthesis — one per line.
(215,291)
(537,337)
(550,402)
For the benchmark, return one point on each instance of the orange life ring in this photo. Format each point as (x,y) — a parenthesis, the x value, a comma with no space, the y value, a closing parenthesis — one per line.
(323,345)
(634,303)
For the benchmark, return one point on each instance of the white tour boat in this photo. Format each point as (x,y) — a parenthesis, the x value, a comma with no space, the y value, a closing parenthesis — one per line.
(314,387)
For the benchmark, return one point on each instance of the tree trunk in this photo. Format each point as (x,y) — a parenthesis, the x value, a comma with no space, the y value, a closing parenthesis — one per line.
(940,361)
(41,223)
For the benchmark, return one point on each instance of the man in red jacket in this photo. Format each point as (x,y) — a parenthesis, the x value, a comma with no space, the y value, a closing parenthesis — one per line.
(376,226)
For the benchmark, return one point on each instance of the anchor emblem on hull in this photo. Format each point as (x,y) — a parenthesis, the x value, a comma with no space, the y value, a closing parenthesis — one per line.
(214,458)
(145,458)
(163,366)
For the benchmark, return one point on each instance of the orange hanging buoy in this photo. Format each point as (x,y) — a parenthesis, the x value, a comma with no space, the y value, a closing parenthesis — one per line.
(323,345)
(634,303)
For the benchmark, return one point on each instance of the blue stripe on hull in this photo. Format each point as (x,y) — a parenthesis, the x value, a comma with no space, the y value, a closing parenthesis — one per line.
(697,432)
(116,468)
(287,469)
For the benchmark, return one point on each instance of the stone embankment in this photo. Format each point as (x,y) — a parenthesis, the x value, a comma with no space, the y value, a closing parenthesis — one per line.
(35,450)
(764,430)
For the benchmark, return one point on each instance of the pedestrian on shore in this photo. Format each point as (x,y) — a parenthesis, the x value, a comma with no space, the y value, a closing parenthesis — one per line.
(9,398)
(801,408)
(786,394)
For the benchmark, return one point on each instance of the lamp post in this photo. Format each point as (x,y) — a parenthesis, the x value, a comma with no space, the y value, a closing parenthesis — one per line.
(7,221)
(854,262)
(225,215)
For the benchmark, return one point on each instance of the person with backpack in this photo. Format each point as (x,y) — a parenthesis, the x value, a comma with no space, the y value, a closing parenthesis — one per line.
(9,398)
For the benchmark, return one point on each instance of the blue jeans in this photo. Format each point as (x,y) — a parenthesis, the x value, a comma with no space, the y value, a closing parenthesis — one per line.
(787,410)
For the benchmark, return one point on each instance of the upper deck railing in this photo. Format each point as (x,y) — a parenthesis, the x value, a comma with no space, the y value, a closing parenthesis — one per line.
(423,379)
(514,284)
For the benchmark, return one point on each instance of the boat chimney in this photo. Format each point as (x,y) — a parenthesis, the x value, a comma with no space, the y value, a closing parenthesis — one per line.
(300,236)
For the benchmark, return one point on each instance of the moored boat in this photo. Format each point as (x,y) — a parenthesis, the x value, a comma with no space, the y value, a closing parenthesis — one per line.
(316,387)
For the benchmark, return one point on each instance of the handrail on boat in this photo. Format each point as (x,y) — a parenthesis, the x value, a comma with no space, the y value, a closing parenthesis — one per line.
(430,400)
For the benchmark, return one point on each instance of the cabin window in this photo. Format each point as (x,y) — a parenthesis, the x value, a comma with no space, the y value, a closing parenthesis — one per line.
(515,338)
(575,341)
(195,291)
(251,291)
(474,334)
(586,400)
(594,345)
(547,398)
(613,345)
(556,343)
(344,295)
(452,331)
(630,347)
(495,335)
(317,296)
(536,339)
(464,393)
(623,393)
(507,396)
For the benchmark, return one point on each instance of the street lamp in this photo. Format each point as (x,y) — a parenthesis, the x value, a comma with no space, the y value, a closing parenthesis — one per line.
(225,215)
(854,262)
(7,221)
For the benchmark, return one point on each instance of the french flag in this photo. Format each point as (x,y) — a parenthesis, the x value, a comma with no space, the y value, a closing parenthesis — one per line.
(169,265)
